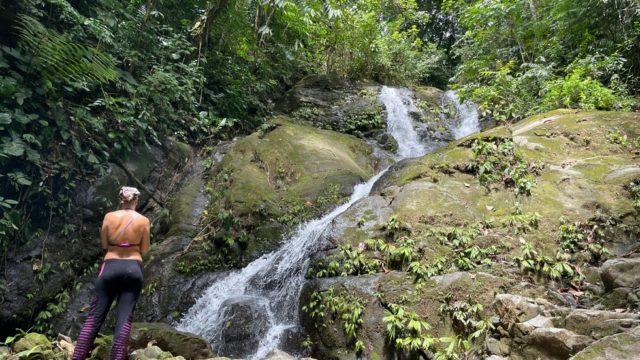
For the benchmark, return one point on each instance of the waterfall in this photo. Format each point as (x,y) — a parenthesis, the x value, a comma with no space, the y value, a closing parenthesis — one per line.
(399,104)
(269,287)
(466,115)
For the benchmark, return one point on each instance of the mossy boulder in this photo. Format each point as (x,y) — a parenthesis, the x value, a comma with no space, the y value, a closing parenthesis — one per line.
(102,347)
(31,341)
(378,291)
(274,179)
(580,171)
(152,352)
(337,105)
(624,346)
(584,176)
(178,343)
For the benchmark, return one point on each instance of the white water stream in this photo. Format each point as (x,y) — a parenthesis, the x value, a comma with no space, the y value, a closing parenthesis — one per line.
(270,286)
(466,115)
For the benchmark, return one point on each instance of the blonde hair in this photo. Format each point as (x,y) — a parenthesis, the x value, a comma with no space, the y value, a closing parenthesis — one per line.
(128,194)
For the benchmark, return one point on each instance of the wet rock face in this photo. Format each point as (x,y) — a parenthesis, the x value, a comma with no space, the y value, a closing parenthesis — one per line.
(246,325)
(330,341)
(68,257)
(598,323)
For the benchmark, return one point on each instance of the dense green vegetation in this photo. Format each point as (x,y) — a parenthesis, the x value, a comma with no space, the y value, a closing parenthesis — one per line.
(83,82)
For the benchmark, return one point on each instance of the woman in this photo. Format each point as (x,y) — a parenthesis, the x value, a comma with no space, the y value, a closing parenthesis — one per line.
(125,236)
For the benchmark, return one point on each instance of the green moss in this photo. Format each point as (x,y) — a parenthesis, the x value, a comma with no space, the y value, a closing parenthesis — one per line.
(270,182)
(181,207)
(30,341)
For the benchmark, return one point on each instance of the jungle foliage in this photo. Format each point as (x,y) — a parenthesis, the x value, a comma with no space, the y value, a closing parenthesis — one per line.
(83,82)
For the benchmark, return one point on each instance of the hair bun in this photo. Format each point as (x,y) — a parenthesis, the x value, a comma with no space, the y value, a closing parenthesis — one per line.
(128,193)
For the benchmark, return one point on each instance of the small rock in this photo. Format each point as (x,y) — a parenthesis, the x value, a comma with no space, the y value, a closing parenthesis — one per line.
(4,351)
(515,308)
(497,347)
(67,347)
(535,323)
(620,272)
(152,352)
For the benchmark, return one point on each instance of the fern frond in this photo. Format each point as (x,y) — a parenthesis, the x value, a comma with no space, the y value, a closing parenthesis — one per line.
(59,59)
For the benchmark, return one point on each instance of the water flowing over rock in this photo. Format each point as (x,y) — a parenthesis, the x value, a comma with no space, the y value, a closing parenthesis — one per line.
(399,105)
(465,117)
(275,279)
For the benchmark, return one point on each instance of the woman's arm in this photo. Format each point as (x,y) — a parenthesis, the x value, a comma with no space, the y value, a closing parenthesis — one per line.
(146,237)
(104,230)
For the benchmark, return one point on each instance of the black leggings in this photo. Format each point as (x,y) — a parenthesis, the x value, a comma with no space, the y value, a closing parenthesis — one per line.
(121,279)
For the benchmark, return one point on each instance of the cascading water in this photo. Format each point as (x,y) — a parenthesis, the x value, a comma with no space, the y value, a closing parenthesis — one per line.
(269,287)
(466,115)
(398,104)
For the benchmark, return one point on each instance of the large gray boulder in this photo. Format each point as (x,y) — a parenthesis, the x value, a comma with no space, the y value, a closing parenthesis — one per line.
(178,343)
(621,272)
(246,324)
(554,343)
(598,324)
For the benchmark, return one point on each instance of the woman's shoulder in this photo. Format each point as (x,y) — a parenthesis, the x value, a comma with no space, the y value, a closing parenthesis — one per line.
(143,219)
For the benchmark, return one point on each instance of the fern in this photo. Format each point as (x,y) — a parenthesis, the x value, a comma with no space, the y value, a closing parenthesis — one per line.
(59,59)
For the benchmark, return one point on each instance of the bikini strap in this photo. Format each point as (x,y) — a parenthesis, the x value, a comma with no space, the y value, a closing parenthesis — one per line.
(123,229)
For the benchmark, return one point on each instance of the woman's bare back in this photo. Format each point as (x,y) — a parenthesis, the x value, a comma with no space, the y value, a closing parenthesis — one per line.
(125,235)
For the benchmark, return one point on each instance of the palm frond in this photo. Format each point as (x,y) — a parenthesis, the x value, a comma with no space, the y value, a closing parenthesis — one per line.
(60,59)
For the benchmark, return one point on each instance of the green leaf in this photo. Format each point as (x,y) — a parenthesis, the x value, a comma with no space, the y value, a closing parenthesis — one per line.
(14,148)
(5,118)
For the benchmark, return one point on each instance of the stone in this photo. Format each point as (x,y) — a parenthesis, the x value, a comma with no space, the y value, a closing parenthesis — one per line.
(187,345)
(515,308)
(623,346)
(31,341)
(153,352)
(536,323)
(5,353)
(245,320)
(621,272)
(555,343)
(276,354)
(272,181)
(598,323)
(497,347)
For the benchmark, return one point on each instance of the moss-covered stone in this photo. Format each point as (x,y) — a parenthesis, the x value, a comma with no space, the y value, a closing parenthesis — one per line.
(579,180)
(580,174)
(625,346)
(271,181)
(178,343)
(31,341)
